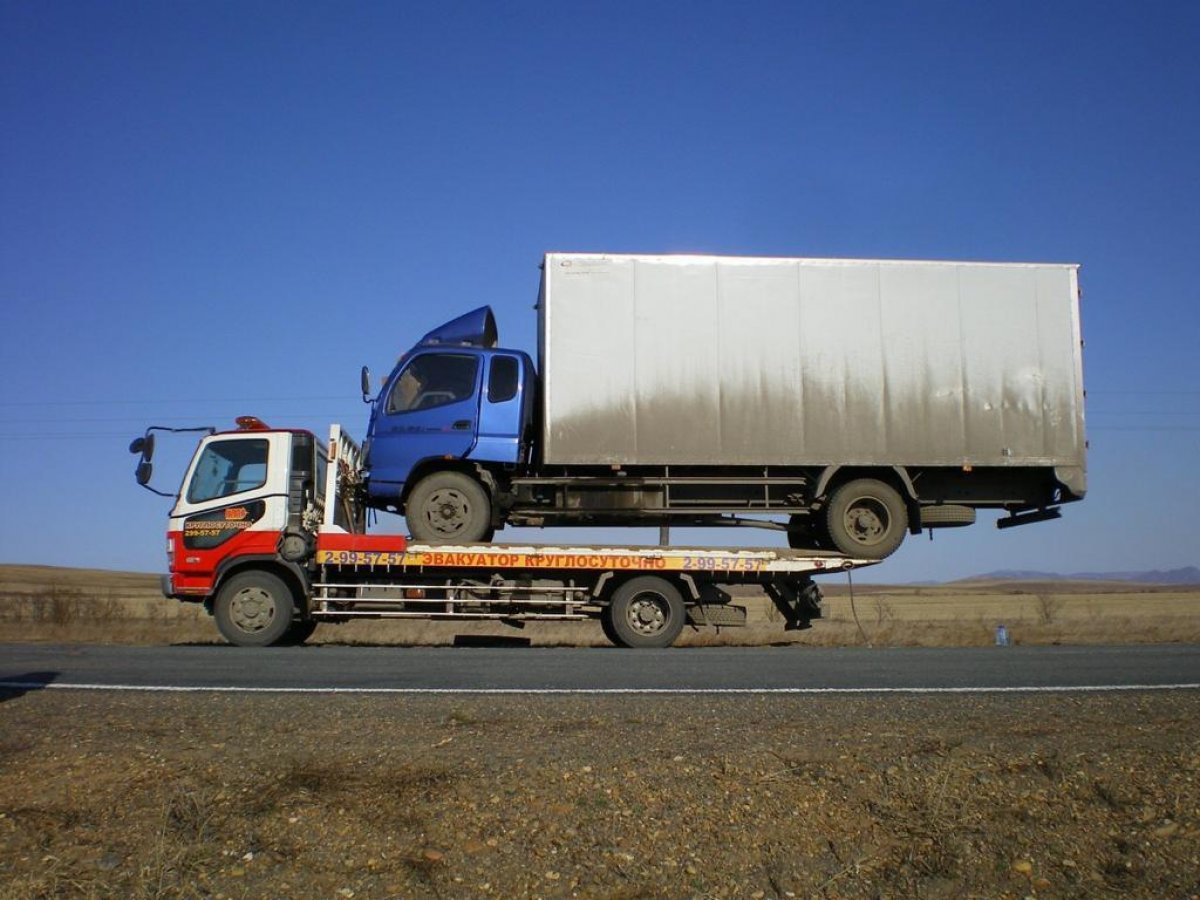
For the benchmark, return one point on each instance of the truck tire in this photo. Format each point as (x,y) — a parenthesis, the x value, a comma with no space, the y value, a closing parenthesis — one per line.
(866,518)
(947,516)
(607,627)
(449,507)
(254,609)
(645,612)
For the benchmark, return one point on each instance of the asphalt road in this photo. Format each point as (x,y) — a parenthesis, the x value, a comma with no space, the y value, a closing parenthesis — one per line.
(712,669)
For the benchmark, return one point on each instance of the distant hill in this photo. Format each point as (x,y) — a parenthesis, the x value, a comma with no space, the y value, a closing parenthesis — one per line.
(1186,575)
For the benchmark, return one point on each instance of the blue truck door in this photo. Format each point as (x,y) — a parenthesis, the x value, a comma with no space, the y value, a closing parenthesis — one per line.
(501,411)
(431,410)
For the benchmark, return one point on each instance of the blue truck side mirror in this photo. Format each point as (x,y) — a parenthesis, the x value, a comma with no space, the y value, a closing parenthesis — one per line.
(365,384)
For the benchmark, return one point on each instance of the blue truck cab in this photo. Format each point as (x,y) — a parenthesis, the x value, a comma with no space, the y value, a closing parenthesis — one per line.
(454,407)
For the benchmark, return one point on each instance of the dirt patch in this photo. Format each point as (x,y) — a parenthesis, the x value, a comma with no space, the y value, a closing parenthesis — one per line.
(106,794)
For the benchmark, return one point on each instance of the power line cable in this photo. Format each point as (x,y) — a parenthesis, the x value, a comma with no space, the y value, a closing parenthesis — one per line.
(1130,393)
(176,401)
(152,419)
(1144,428)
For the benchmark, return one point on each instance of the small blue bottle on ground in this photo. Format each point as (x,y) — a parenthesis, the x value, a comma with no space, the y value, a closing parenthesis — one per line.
(1001,636)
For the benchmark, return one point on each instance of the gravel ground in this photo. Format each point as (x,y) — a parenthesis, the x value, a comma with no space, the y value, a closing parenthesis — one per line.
(207,795)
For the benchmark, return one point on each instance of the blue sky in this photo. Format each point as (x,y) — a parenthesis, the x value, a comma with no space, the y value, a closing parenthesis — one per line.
(209,209)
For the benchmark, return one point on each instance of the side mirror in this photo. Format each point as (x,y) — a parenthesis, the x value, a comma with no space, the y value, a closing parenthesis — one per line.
(143,445)
(144,471)
(365,384)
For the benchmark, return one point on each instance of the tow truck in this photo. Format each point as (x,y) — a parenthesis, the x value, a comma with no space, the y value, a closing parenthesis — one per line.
(269,532)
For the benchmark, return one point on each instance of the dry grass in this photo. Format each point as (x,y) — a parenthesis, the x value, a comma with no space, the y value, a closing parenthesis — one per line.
(41,603)
(1070,612)
(49,603)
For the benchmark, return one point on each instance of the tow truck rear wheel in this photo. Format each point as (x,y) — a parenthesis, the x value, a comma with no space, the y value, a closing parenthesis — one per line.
(645,612)
(254,609)
(607,627)
(449,507)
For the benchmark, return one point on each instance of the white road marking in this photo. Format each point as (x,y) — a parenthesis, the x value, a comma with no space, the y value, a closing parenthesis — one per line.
(175,689)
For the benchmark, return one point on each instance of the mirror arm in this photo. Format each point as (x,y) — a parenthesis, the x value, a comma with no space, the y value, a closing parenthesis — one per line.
(144,445)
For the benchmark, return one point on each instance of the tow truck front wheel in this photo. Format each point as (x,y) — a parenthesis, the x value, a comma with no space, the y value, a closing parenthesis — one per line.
(254,609)
(645,612)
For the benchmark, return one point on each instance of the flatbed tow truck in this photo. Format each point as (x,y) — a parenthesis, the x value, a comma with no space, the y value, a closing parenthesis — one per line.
(269,532)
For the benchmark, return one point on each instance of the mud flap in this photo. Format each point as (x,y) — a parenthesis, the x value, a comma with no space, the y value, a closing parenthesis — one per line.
(798,599)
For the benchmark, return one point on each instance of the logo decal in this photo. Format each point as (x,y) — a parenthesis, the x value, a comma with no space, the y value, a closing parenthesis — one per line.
(208,530)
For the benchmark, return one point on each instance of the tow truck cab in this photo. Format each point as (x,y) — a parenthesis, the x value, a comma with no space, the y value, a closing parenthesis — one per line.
(242,503)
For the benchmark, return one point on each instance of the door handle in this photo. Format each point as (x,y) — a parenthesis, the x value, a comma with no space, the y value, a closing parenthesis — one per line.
(462,425)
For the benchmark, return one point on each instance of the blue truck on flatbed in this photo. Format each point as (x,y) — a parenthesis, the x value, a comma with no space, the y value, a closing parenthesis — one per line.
(847,402)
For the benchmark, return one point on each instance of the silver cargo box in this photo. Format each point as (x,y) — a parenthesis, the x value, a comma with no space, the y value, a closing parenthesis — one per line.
(700,360)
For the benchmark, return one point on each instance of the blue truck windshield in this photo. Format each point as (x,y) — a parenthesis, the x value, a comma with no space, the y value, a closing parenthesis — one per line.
(434,379)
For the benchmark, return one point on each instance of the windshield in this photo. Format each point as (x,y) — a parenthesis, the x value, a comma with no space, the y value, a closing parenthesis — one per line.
(434,379)
(228,467)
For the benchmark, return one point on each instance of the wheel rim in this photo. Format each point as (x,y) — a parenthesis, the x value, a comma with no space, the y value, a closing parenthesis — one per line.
(448,511)
(867,521)
(252,609)
(648,613)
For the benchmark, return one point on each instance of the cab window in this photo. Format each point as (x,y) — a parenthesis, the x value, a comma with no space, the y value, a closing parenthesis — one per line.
(434,379)
(322,470)
(229,467)
(503,379)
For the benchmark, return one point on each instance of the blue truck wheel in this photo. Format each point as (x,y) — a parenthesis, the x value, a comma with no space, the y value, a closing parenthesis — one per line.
(449,507)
